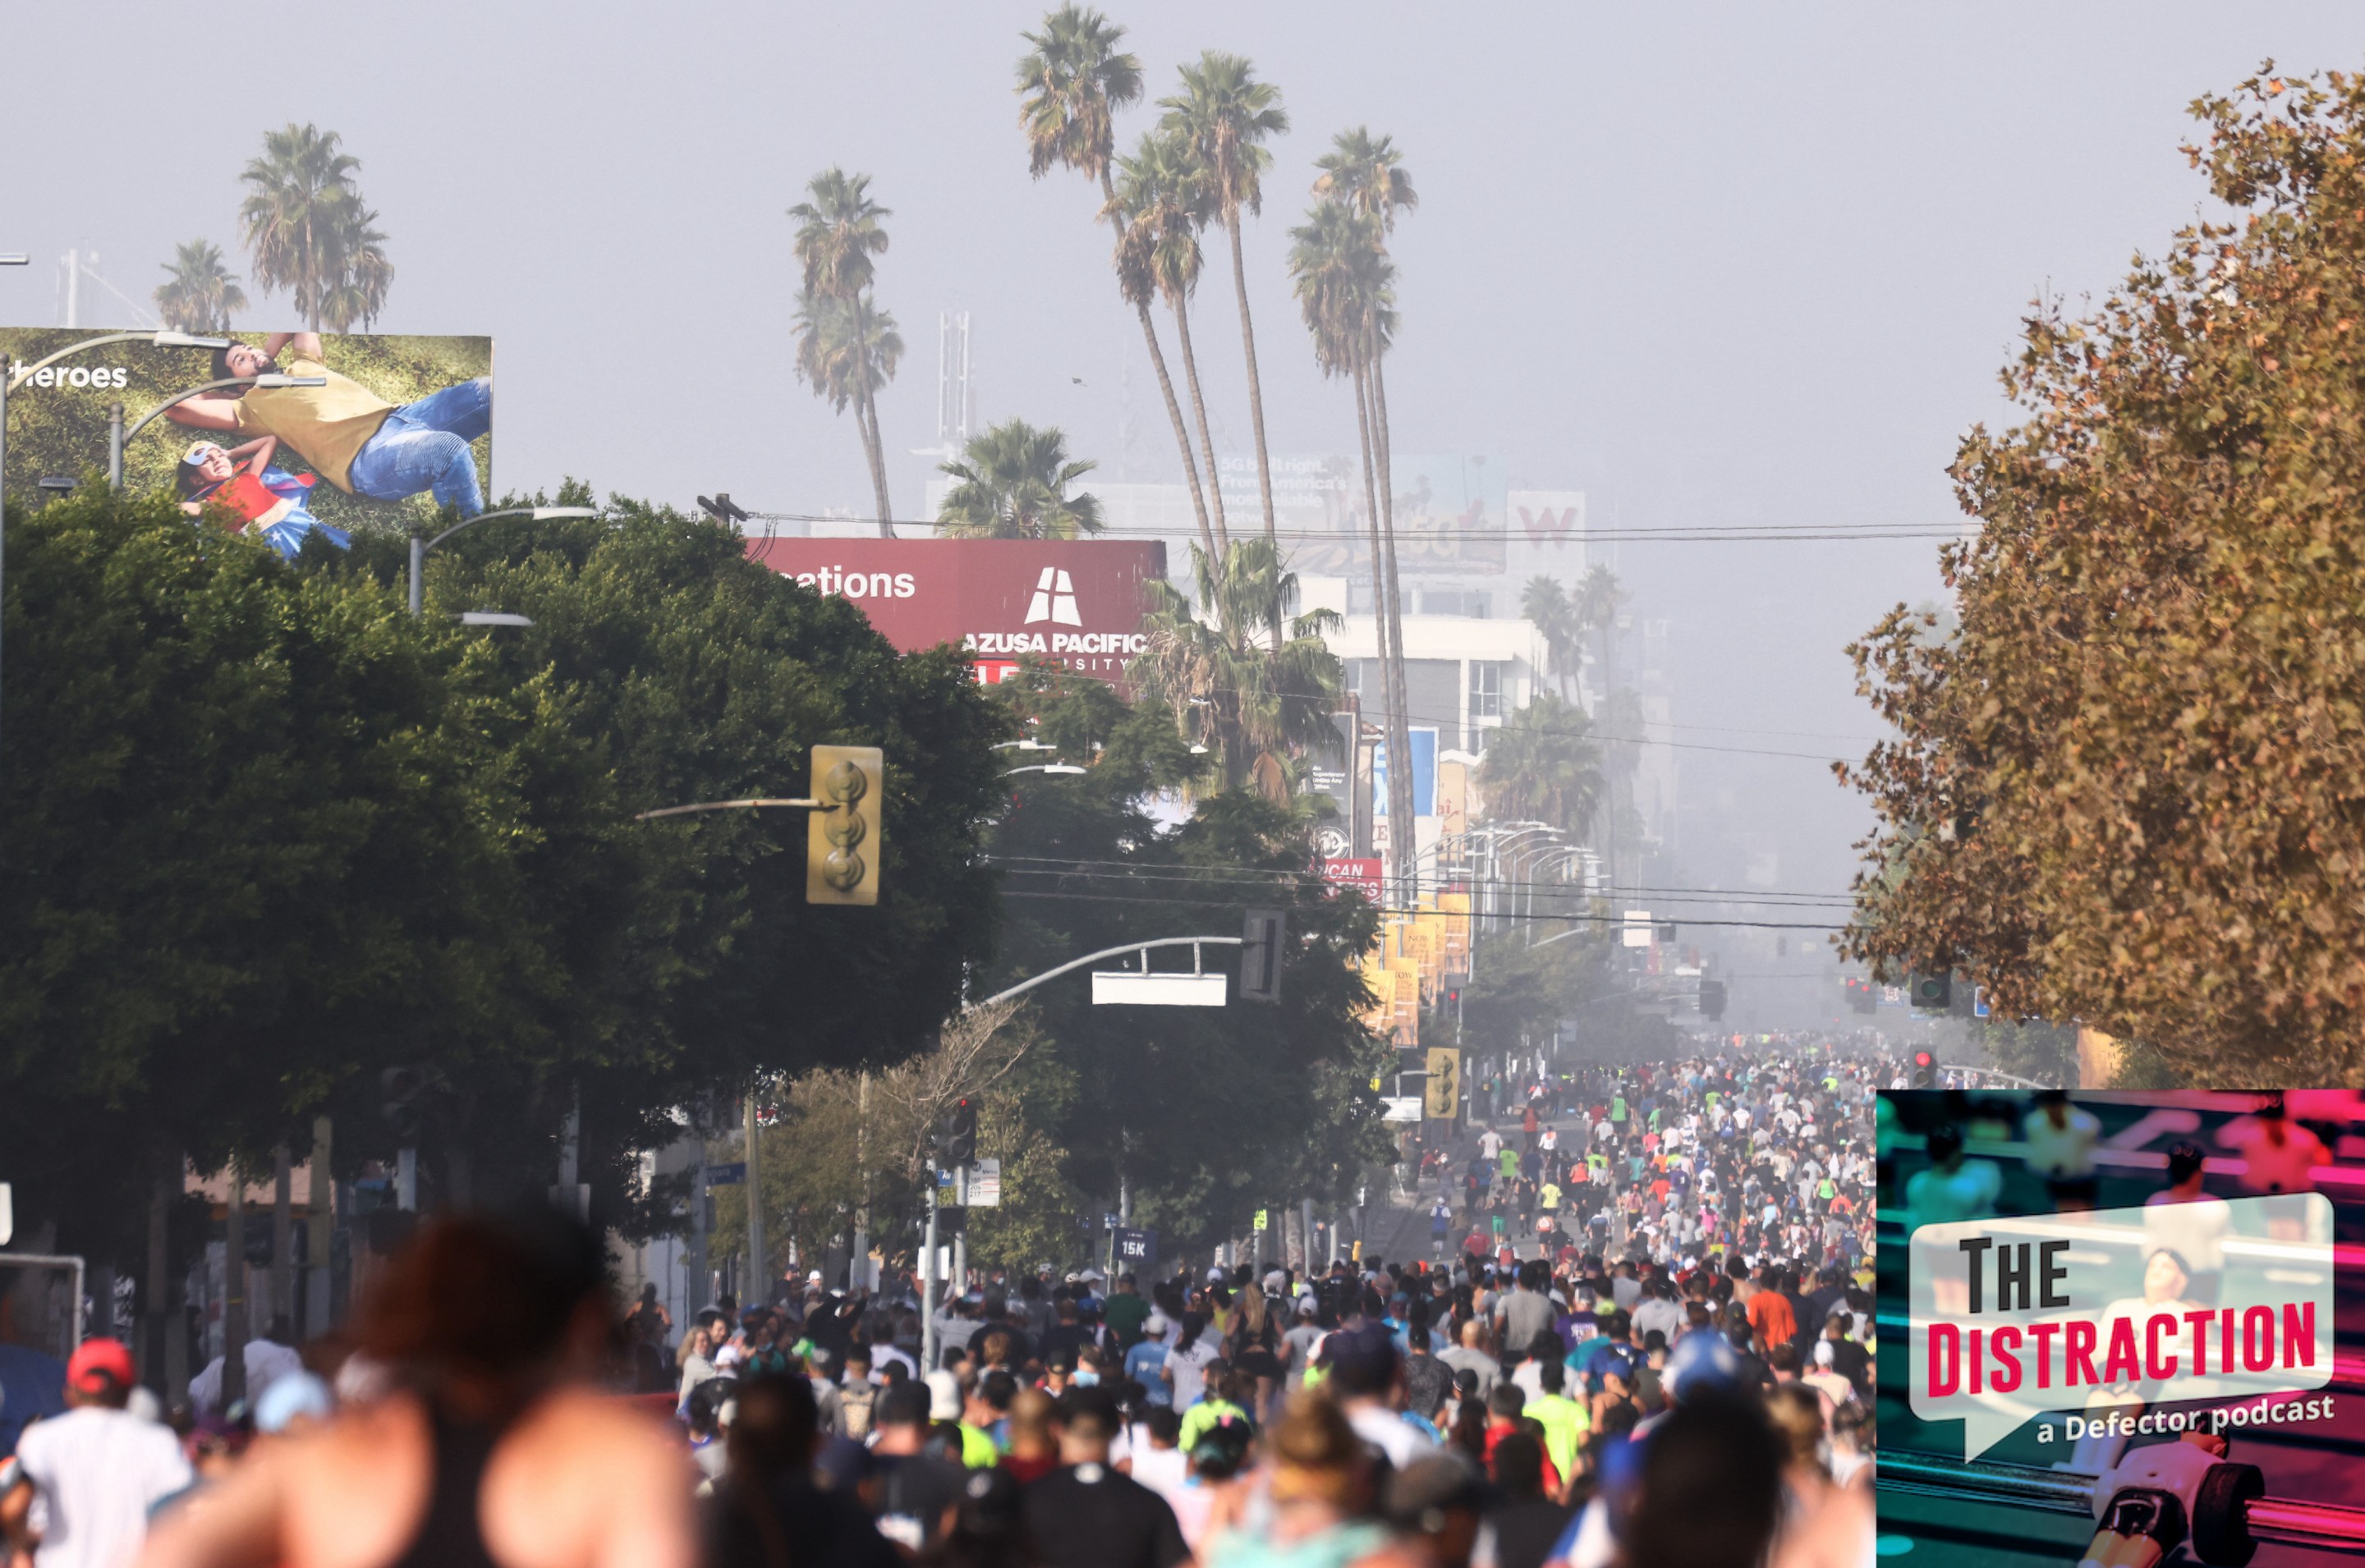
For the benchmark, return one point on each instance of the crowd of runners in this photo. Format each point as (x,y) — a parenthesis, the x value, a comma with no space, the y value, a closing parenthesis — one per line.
(1642,1335)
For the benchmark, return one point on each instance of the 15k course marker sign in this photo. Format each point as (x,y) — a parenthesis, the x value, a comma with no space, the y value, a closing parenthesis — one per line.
(2119,1310)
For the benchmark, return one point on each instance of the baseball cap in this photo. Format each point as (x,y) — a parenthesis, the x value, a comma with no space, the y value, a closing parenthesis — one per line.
(100,1366)
(1702,1360)
(1156,1325)
(1215,1276)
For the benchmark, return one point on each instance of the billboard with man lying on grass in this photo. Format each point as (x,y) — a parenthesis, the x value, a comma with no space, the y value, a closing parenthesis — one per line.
(310,434)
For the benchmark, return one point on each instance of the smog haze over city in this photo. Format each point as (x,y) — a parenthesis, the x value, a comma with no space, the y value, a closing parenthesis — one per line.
(1720,266)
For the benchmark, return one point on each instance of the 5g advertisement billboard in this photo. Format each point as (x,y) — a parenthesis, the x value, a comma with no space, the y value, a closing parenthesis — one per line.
(310,434)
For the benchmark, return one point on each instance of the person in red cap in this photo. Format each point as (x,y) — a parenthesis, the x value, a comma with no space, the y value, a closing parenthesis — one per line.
(95,1470)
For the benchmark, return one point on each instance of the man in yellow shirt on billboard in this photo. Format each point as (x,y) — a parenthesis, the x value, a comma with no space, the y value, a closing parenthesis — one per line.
(353,437)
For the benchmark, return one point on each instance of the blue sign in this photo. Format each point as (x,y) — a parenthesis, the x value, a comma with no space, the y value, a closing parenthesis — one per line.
(1424,774)
(730,1175)
(1136,1248)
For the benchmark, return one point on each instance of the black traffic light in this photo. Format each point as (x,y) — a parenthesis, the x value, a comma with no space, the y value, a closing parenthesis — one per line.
(1711,999)
(1933,993)
(1925,1071)
(1261,941)
(956,1132)
(1863,996)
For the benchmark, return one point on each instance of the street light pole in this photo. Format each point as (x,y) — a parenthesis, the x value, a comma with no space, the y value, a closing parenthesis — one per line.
(419,546)
(117,438)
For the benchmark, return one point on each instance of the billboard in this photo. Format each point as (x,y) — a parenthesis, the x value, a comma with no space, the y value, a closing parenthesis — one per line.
(396,429)
(1079,601)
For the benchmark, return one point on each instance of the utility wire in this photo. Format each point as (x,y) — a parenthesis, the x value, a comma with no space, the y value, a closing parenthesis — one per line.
(1522,918)
(1708,533)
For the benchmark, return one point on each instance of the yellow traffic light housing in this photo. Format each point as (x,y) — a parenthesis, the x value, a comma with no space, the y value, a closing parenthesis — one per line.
(842,836)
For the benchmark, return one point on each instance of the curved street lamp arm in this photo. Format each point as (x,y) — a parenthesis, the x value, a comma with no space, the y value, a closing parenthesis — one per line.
(177,399)
(1107,953)
(17,374)
(539,514)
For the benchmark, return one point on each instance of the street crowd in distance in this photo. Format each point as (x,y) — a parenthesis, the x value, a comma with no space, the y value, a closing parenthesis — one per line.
(1642,1335)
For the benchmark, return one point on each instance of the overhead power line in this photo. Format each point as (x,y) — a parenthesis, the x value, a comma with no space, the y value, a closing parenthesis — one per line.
(1684,534)
(1506,915)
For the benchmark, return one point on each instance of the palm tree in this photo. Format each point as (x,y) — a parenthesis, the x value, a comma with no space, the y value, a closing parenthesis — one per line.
(307,230)
(1543,765)
(200,293)
(1344,284)
(1014,484)
(1548,607)
(843,345)
(1070,87)
(1251,705)
(1367,173)
(839,233)
(1161,202)
(1597,599)
(1224,114)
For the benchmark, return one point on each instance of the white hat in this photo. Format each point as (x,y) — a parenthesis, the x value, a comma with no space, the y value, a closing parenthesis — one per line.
(814,1277)
(1156,1326)
(1091,1276)
(1822,1352)
(1215,1276)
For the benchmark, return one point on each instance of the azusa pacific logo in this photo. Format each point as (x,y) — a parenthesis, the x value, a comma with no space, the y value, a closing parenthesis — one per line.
(1054,599)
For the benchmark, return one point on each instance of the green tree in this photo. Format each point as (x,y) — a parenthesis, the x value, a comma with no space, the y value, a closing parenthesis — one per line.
(1543,765)
(839,236)
(309,231)
(1222,117)
(1203,1115)
(1256,705)
(1014,484)
(199,293)
(1161,202)
(2125,789)
(1072,82)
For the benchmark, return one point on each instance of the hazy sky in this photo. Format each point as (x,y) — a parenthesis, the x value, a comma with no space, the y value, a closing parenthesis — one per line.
(1709,264)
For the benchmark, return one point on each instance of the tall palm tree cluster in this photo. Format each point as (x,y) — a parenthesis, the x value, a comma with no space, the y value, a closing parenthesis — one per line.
(1345,286)
(1563,616)
(308,231)
(1203,164)
(846,347)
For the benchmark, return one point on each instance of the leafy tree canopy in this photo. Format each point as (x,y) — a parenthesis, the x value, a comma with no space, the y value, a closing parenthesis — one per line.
(2126,790)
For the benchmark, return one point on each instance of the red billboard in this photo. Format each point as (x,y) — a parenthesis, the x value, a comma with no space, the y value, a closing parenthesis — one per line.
(1079,601)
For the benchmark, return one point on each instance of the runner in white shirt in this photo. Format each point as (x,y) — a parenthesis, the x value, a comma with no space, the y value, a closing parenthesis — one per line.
(87,1478)
(2061,1140)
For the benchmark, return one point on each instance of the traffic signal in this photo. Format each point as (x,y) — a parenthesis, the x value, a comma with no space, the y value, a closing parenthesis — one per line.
(1261,941)
(1863,996)
(842,837)
(1933,993)
(1925,1071)
(956,1132)
(1711,999)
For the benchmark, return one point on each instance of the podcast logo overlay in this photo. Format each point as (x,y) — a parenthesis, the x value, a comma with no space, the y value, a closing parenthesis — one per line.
(2106,1310)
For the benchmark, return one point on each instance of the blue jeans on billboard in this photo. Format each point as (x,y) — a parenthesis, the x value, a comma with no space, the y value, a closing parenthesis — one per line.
(425,446)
